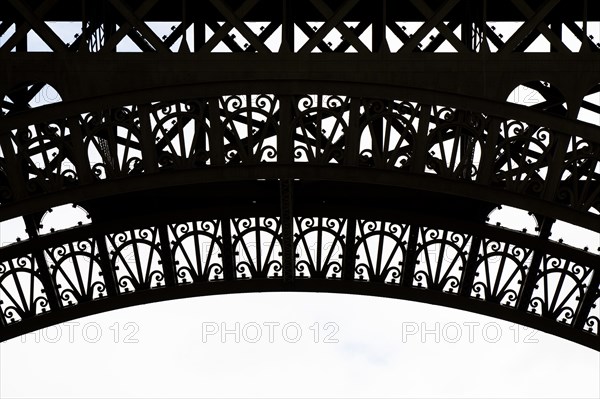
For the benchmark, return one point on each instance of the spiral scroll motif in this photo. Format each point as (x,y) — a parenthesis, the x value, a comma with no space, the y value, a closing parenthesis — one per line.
(46,156)
(135,257)
(319,127)
(381,250)
(180,131)
(580,179)
(561,284)
(523,154)
(400,256)
(372,133)
(455,142)
(441,257)
(250,128)
(197,248)
(75,268)
(501,271)
(22,294)
(257,246)
(388,131)
(319,244)
(112,139)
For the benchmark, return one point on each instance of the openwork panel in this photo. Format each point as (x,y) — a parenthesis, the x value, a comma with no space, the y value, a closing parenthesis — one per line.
(197,250)
(561,285)
(319,244)
(319,126)
(454,143)
(135,258)
(580,179)
(250,128)
(257,247)
(75,269)
(381,249)
(319,130)
(523,154)
(501,271)
(592,320)
(45,152)
(180,133)
(388,130)
(22,293)
(441,258)
(112,142)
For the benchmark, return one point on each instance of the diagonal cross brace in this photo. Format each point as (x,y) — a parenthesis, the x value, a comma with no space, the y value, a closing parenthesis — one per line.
(126,26)
(134,21)
(331,23)
(441,26)
(535,19)
(222,32)
(240,26)
(347,33)
(35,23)
(542,27)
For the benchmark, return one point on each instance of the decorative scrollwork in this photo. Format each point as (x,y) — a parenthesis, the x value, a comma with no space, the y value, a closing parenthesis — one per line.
(383,133)
(76,272)
(388,130)
(522,157)
(250,128)
(257,247)
(561,285)
(197,249)
(381,251)
(180,131)
(580,180)
(21,290)
(441,257)
(45,153)
(592,321)
(112,142)
(135,257)
(454,144)
(319,244)
(501,272)
(319,127)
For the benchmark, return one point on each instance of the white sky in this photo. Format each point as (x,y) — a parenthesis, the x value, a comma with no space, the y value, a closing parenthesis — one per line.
(373,357)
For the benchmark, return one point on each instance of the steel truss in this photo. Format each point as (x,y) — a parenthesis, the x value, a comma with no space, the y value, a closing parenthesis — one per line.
(286,179)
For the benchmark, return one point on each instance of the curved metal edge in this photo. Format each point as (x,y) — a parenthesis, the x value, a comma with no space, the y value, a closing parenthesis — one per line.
(214,174)
(475,104)
(306,285)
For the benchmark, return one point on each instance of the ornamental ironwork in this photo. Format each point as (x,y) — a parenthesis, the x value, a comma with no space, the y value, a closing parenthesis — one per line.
(172,150)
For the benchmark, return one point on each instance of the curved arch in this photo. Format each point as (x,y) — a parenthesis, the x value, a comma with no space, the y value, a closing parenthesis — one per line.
(521,161)
(410,238)
(483,160)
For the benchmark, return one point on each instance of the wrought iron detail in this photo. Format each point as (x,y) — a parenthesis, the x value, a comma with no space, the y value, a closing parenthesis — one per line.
(381,249)
(22,290)
(300,145)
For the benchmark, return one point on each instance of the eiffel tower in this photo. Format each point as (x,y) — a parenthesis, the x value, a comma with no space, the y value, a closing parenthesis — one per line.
(160,149)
